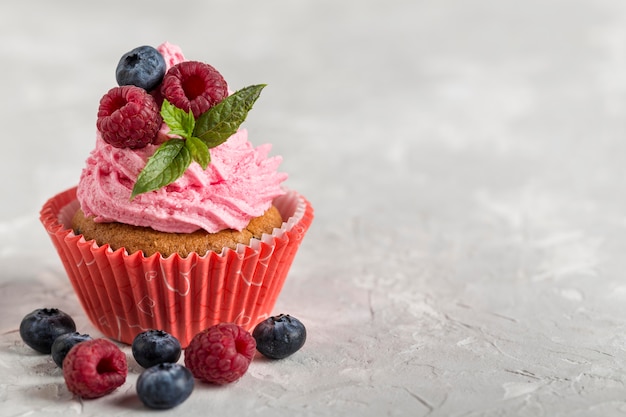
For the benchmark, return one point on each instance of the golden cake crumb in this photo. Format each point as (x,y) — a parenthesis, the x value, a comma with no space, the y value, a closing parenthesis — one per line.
(150,241)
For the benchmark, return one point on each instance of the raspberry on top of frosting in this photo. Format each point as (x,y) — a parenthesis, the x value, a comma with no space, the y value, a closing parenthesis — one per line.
(223,190)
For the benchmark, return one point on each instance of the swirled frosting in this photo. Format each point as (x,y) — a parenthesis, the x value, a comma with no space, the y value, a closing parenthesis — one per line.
(240,183)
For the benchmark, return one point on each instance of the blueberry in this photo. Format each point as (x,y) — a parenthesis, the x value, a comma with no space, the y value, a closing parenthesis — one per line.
(279,336)
(143,67)
(164,385)
(64,343)
(41,327)
(153,347)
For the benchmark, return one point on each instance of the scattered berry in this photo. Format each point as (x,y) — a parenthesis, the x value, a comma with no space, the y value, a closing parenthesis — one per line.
(128,117)
(195,86)
(41,327)
(94,368)
(153,347)
(220,354)
(279,336)
(143,67)
(165,385)
(64,343)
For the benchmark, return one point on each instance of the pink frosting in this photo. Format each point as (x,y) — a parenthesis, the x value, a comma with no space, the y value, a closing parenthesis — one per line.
(171,53)
(240,183)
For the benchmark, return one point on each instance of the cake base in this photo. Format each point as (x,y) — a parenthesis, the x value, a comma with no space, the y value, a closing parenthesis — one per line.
(150,241)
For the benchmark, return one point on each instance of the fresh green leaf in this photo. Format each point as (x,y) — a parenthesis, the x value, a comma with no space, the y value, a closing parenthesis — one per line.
(165,166)
(179,121)
(218,123)
(215,126)
(199,151)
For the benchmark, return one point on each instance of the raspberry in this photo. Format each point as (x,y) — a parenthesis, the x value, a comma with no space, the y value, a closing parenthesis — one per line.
(94,368)
(220,354)
(195,86)
(128,117)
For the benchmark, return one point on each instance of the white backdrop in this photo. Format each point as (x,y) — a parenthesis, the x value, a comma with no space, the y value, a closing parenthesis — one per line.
(466,161)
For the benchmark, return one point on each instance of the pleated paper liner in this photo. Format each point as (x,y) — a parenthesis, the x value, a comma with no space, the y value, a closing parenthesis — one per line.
(125,294)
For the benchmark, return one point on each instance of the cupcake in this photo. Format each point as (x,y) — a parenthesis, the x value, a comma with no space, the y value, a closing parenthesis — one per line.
(178,222)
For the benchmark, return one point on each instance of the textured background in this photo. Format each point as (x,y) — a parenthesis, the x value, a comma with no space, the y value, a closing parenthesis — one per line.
(466,164)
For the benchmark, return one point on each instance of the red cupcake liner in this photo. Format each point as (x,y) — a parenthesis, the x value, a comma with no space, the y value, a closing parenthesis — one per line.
(124,294)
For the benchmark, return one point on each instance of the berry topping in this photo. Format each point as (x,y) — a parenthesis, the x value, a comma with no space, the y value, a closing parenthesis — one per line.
(64,343)
(143,67)
(220,354)
(195,86)
(164,385)
(94,368)
(279,336)
(128,117)
(41,327)
(212,128)
(153,347)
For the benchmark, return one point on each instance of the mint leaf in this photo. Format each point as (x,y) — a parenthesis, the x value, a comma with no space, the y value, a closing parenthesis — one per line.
(179,121)
(213,127)
(165,166)
(218,123)
(199,151)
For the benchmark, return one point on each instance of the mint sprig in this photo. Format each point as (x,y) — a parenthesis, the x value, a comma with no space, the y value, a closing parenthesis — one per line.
(216,125)
(212,128)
